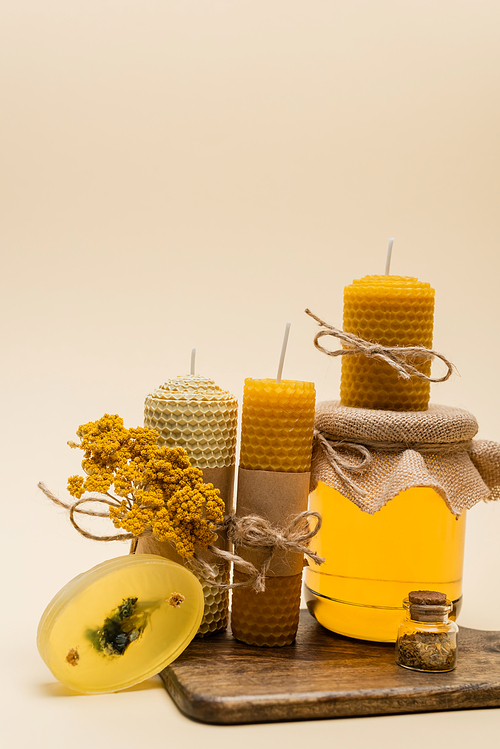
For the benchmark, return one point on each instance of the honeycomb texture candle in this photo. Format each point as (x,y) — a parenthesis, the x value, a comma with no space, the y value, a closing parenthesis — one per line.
(194,413)
(392,311)
(276,437)
(277,425)
(270,618)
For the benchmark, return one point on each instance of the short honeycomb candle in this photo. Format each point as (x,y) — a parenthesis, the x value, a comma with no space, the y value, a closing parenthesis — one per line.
(276,444)
(193,412)
(392,311)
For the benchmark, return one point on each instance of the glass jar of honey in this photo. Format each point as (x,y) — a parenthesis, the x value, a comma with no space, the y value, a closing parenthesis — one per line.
(373,561)
(394,518)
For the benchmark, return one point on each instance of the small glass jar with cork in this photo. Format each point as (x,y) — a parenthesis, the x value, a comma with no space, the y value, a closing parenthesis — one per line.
(427,638)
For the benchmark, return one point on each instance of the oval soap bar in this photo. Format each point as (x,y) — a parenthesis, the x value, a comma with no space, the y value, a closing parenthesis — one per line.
(120,623)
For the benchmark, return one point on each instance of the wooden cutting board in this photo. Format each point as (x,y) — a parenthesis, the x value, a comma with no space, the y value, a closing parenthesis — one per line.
(324,675)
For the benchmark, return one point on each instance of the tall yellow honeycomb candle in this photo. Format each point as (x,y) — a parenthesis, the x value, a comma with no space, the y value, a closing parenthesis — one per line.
(275,460)
(392,311)
(194,413)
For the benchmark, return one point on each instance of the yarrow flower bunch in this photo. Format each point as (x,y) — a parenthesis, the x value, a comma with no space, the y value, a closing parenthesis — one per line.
(153,488)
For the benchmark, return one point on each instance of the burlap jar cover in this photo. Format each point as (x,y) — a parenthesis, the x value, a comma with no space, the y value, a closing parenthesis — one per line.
(371,456)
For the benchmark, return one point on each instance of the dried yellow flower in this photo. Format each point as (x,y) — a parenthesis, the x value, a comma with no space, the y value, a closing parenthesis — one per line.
(159,489)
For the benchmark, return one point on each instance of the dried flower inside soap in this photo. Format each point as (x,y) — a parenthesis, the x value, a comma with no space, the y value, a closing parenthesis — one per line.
(122,627)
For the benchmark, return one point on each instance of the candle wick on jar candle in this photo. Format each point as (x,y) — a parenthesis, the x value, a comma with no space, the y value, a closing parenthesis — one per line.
(283,352)
(389,255)
(193,360)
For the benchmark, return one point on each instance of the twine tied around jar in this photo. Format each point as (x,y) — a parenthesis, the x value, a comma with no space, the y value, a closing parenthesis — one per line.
(397,357)
(334,449)
(340,465)
(370,456)
(251,531)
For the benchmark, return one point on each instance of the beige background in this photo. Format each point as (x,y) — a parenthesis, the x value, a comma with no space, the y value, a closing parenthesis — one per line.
(187,173)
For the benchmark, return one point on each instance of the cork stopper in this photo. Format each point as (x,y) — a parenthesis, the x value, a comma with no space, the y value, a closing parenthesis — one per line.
(427,598)
(427,606)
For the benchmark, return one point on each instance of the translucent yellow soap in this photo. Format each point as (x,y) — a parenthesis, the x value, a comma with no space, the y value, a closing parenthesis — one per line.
(120,623)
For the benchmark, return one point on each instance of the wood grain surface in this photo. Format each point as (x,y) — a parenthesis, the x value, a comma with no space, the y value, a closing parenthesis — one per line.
(324,675)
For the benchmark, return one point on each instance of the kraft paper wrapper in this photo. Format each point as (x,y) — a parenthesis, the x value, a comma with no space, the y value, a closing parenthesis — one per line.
(278,497)
(222,479)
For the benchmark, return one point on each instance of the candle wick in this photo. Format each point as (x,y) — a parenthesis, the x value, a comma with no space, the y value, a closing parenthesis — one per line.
(283,352)
(193,360)
(389,256)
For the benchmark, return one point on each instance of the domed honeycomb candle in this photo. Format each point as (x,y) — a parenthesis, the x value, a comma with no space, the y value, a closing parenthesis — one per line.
(275,460)
(120,623)
(392,311)
(192,412)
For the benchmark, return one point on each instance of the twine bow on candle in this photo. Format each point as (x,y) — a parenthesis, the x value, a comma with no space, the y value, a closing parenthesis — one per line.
(397,357)
(255,532)
(251,531)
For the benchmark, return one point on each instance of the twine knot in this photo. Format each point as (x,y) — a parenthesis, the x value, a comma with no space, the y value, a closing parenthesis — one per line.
(338,462)
(251,531)
(397,357)
(255,532)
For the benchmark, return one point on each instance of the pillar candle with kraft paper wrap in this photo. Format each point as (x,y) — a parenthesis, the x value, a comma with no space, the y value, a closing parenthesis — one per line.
(194,413)
(273,483)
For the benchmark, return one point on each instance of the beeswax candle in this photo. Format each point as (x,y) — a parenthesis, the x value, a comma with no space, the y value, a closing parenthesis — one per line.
(276,427)
(392,311)
(276,442)
(194,413)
